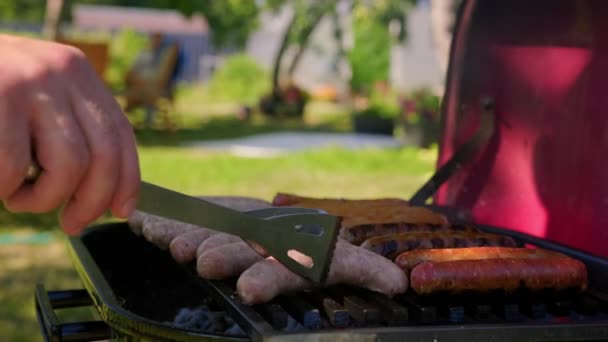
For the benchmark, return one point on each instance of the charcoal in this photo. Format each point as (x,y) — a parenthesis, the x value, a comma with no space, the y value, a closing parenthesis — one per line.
(294,326)
(234,330)
(205,320)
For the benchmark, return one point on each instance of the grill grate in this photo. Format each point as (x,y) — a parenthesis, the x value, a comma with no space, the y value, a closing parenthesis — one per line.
(313,315)
(342,307)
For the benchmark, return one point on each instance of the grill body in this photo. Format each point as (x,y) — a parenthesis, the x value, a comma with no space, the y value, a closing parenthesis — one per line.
(138,290)
(543,172)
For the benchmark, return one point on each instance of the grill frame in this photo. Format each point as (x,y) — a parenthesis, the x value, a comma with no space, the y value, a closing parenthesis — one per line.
(124,322)
(107,304)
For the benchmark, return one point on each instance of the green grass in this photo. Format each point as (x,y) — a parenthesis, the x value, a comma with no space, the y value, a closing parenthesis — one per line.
(21,267)
(205,120)
(229,127)
(327,172)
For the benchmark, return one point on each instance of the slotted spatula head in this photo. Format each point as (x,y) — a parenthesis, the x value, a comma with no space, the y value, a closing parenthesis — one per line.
(301,239)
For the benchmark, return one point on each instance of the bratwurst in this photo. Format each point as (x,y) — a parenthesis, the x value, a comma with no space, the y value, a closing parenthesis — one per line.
(184,246)
(226,261)
(350,265)
(161,231)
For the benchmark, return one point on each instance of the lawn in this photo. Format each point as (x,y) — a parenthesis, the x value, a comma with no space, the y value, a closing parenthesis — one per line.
(32,250)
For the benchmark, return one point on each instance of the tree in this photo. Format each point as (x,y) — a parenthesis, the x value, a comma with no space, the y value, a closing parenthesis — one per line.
(443,14)
(307,14)
(305,18)
(380,14)
(52,18)
(370,56)
(231,21)
(22,10)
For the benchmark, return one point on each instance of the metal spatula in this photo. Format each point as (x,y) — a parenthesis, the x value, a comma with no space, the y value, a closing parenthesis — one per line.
(288,234)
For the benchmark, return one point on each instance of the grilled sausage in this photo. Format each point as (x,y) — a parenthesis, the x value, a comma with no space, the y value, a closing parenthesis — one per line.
(136,222)
(408,260)
(284,199)
(357,234)
(338,206)
(226,261)
(216,240)
(498,274)
(393,245)
(350,265)
(183,247)
(393,214)
(161,231)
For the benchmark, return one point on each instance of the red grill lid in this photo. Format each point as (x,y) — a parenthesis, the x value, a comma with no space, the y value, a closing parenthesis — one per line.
(545,170)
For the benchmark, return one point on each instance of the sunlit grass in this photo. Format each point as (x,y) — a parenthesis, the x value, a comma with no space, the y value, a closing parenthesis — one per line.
(21,267)
(328,172)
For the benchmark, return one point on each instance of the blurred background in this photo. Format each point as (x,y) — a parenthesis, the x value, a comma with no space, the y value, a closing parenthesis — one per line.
(332,98)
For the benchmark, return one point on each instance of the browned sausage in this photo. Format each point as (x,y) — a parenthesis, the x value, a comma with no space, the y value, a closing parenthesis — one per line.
(393,214)
(226,261)
(183,247)
(393,245)
(350,265)
(498,274)
(342,207)
(282,199)
(408,260)
(359,233)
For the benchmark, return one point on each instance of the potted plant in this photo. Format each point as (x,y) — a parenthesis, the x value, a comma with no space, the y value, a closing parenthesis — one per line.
(376,114)
(420,117)
(289,102)
(374,120)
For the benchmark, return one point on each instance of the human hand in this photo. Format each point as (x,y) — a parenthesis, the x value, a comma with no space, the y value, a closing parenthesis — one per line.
(53,104)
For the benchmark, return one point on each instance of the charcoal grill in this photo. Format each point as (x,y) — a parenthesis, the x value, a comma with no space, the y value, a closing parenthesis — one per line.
(138,290)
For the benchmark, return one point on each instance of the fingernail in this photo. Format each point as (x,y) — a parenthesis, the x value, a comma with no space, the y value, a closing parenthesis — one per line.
(128,208)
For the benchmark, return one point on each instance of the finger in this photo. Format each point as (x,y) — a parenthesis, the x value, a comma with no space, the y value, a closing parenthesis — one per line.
(60,150)
(127,189)
(125,198)
(94,193)
(14,140)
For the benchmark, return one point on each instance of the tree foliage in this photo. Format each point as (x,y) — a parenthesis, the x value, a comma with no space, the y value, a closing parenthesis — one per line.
(22,10)
(231,21)
(370,56)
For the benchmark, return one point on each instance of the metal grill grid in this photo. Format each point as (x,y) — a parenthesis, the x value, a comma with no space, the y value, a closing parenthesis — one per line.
(336,313)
